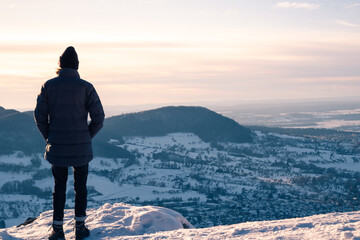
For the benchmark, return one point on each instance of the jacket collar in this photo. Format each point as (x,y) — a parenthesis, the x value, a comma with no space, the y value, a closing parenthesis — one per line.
(69,72)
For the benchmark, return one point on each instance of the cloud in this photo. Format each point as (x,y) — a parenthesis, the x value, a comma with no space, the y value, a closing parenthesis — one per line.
(345,23)
(297,5)
(353,5)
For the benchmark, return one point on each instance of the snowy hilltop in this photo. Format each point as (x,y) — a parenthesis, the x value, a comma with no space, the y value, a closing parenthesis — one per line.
(123,221)
(107,222)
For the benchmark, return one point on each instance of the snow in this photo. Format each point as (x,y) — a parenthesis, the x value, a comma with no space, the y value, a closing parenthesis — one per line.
(337,123)
(123,221)
(107,222)
(145,193)
(187,140)
(101,163)
(16,158)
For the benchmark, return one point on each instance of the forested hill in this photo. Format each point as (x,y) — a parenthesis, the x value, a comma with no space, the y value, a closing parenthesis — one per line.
(18,130)
(5,112)
(208,125)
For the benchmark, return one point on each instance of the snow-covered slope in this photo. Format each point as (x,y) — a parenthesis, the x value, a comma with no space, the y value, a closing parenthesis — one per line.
(123,221)
(107,222)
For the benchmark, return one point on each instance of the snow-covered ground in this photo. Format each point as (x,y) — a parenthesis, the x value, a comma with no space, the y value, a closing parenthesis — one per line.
(107,222)
(123,221)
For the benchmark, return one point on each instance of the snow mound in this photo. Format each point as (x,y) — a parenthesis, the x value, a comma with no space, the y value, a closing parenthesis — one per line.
(107,222)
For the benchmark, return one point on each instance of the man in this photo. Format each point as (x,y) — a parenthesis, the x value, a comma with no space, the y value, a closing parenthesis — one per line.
(61,114)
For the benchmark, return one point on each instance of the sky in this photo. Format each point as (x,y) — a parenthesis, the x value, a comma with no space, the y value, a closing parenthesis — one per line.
(141,52)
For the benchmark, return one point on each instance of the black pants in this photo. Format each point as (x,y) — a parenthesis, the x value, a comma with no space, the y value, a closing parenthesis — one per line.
(59,195)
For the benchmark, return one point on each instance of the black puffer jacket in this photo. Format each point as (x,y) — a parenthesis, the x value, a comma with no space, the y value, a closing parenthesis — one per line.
(61,115)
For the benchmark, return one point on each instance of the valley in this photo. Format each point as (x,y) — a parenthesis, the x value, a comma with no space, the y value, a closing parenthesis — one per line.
(275,176)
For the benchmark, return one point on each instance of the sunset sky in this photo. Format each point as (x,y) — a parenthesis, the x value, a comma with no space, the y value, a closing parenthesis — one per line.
(139,52)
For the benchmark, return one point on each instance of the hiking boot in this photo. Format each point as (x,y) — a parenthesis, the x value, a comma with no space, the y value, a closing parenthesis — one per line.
(57,233)
(81,231)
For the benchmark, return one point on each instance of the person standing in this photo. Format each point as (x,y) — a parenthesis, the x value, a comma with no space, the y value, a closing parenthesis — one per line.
(61,115)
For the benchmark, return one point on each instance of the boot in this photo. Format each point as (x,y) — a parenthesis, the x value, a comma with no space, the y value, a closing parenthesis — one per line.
(81,231)
(57,233)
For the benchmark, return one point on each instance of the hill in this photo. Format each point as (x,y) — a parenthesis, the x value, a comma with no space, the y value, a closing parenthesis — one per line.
(18,131)
(5,112)
(122,221)
(208,125)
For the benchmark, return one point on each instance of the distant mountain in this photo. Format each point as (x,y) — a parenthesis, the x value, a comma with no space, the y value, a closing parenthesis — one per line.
(5,112)
(208,125)
(18,131)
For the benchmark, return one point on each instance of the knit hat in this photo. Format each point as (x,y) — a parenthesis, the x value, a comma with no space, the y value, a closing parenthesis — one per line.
(69,59)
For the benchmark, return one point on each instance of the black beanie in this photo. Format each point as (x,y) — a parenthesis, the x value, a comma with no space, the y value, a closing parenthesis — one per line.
(69,59)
